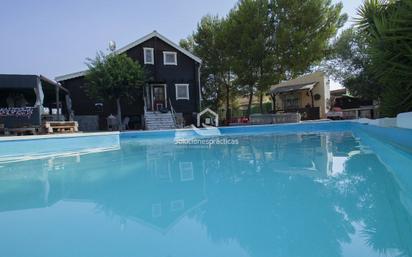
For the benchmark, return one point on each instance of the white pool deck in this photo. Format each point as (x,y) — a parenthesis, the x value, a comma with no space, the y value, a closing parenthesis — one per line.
(403,120)
(20,148)
(51,136)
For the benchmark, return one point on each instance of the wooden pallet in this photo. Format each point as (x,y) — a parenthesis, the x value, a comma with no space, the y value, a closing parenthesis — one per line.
(21,131)
(61,126)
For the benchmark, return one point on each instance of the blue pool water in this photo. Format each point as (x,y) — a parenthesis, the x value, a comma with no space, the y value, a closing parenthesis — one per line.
(336,193)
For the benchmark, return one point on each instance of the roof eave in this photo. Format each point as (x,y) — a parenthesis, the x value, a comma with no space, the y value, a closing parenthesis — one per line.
(70,76)
(131,45)
(157,34)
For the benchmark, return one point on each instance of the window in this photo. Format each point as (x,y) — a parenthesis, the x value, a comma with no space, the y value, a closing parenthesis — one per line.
(170,58)
(186,171)
(182,91)
(156,210)
(162,170)
(148,55)
(291,102)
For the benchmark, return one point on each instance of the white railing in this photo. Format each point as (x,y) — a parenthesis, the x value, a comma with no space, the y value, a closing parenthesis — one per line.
(144,105)
(173,113)
(144,113)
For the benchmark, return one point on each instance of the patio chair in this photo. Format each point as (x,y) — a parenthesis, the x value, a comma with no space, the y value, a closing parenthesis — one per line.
(111,122)
(125,123)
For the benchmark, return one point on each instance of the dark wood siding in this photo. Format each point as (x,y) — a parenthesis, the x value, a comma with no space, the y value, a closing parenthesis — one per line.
(185,72)
(82,104)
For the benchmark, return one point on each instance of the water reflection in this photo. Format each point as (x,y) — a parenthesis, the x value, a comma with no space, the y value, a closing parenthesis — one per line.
(290,195)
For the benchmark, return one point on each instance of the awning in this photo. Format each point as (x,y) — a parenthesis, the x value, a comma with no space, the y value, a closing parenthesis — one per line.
(38,83)
(291,88)
(17,81)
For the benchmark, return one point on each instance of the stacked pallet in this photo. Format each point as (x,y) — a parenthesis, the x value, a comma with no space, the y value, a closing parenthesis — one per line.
(61,127)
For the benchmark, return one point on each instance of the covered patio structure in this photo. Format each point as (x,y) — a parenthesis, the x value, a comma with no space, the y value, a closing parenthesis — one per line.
(308,95)
(27,101)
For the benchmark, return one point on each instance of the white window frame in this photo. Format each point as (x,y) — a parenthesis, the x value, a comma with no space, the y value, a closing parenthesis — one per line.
(164,58)
(144,55)
(162,174)
(186,171)
(187,90)
(156,210)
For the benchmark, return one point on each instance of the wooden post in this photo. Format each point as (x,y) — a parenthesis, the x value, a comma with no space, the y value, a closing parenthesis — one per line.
(58,102)
(311,96)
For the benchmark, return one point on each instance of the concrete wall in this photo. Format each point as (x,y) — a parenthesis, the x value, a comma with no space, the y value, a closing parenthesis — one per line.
(404,120)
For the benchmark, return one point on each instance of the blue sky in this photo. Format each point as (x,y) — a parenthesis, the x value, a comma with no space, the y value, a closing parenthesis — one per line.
(53,38)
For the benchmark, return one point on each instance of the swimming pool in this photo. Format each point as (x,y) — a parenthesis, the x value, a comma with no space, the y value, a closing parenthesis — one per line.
(299,190)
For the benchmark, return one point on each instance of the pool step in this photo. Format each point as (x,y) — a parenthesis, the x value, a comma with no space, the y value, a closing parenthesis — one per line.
(159,121)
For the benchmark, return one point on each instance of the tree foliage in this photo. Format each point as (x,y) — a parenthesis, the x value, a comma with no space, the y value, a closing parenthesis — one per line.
(209,43)
(114,77)
(248,43)
(349,63)
(260,43)
(387,28)
(302,31)
(349,55)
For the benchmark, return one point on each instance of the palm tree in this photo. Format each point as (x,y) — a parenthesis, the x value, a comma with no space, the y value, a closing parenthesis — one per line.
(387,25)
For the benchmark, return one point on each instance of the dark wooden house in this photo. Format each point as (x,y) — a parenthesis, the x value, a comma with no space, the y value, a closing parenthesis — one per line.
(174,84)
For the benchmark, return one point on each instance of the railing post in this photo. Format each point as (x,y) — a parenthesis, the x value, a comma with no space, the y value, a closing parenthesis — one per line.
(173,113)
(144,105)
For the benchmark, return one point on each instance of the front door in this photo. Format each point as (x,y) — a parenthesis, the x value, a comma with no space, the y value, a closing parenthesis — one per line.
(159,97)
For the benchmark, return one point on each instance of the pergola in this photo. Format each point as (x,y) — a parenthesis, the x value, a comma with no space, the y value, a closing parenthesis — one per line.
(46,93)
(282,89)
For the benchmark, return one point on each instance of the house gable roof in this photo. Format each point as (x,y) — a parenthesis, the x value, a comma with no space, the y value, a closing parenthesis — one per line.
(131,45)
(305,79)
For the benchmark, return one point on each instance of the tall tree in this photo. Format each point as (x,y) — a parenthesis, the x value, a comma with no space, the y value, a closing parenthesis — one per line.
(350,64)
(302,31)
(247,40)
(280,39)
(209,43)
(114,77)
(262,42)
